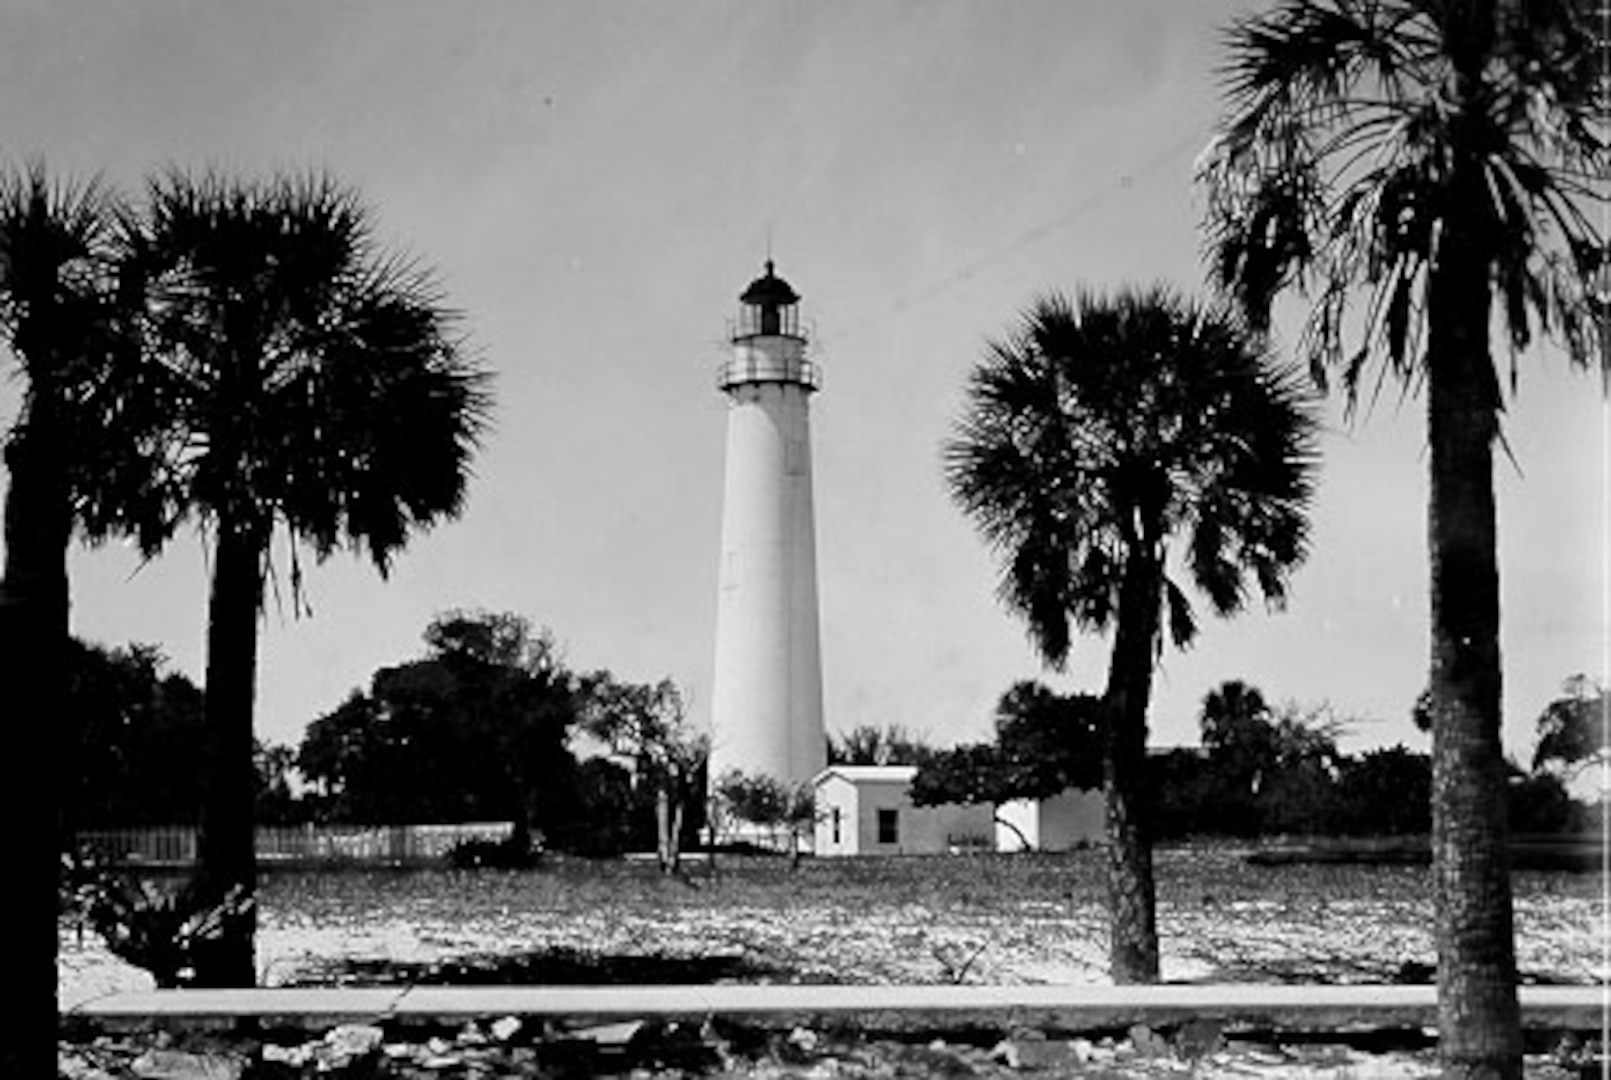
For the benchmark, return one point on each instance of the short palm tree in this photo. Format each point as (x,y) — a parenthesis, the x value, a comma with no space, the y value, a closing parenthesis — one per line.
(1104,436)
(1424,169)
(58,318)
(316,388)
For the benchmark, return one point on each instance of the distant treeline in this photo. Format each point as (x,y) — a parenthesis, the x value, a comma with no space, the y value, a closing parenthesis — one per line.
(1261,770)
(480,728)
(485,726)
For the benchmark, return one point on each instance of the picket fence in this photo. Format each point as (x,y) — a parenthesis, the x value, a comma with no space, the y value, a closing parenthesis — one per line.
(175,845)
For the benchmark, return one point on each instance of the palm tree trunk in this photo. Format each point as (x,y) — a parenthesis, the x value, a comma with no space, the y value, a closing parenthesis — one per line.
(674,839)
(225,853)
(1132,895)
(1478,1013)
(662,826)
(33,652)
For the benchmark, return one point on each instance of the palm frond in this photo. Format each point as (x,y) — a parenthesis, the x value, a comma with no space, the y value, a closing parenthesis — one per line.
(1102,427)
(1335,170)
(316,380)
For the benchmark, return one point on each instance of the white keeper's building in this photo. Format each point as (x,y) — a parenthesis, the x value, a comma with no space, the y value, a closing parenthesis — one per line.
(867,810)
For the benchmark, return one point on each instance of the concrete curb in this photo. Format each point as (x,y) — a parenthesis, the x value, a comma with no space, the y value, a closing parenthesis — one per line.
(1313,1008)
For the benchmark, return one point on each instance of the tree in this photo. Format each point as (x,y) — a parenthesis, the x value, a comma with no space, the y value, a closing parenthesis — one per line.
(972,774)
(1300,793)
(1574,730)
(1234,717)
(337,756)
(1046,743)
(1415,168)
(129,736)
(317,389)
(1386,792)
(505,690)
(58,318)
(866,744)
(276,803)
(1271,770)
(1239,740)
(1099,434)
(1049,742)
(768,803)
(474,730)
(647,726)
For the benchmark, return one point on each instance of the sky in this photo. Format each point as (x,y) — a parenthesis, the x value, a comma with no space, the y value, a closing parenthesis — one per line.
(595,184)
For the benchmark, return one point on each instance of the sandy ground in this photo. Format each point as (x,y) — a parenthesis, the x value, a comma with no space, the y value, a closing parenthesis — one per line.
(1559,938)
(1298,934)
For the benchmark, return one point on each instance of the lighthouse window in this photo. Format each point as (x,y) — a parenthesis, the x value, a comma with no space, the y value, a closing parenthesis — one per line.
(837,816)
(794,459)
(889,826)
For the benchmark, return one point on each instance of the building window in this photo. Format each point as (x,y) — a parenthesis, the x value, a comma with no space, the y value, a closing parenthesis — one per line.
(889,826)
(836,817)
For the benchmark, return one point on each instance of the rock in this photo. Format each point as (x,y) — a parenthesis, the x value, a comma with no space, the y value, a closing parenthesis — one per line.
(440,1061)
(1032,1050)
(293,1056)
(804,1039)
(1103,1053)
(937,1059)
(73,1066)
(506,1028)
(1148,1043)
(609,1036)
(1199,1038)
(349,1041)
(162,1064)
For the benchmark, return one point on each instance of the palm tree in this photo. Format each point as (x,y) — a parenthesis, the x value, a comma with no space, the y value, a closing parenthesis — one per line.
(1238,734)
(317,390)
(1229,710)
(1412,166)
(1096,436)
(58,319)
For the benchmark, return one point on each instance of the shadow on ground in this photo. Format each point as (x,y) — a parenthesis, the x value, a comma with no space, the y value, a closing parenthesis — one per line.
(545,967)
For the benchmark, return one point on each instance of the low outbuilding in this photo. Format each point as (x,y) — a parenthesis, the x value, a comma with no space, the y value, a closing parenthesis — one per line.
(1071,819)
(868,810)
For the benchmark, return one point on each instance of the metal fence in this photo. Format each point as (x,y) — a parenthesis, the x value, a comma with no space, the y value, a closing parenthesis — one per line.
(175,845)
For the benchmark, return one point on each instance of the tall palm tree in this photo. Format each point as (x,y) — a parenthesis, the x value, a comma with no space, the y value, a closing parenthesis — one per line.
(1101,438)
(317,390)
(1230,709)
(1418,167)
(57,317)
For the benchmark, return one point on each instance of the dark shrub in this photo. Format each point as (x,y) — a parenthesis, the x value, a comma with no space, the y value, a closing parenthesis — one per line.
(510,853)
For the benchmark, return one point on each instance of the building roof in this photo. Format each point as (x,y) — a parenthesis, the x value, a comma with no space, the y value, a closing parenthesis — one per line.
(888,774)
(769,290)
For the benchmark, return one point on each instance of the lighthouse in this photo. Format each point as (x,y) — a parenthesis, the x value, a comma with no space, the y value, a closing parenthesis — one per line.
(766,699)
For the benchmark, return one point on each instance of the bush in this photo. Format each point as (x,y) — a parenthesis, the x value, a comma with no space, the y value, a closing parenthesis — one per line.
(1386,793)
(162,929)
(510,853)
(1540,803)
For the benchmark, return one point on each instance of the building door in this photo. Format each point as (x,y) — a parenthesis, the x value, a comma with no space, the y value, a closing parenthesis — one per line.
(889,826)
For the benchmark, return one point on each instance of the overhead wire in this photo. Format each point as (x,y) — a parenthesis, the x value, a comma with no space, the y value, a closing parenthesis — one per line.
(1028,238)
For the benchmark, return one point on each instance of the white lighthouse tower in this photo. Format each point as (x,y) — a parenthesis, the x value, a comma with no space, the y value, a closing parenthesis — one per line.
(766,701)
